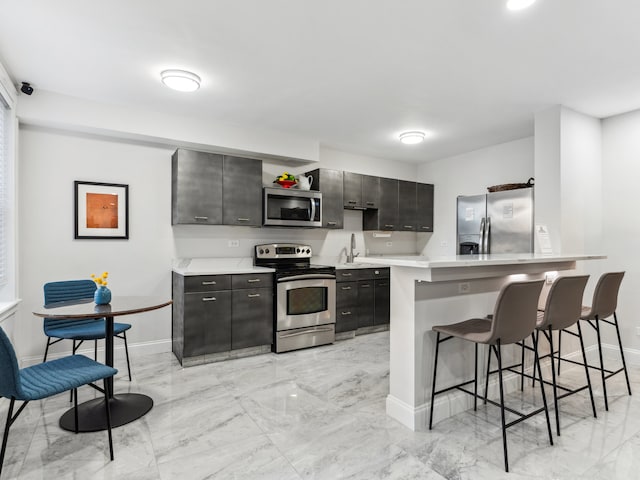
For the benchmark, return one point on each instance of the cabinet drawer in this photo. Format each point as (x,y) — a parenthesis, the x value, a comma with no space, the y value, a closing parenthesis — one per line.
(205,283)
(372,273)
(350,275)
(257,280)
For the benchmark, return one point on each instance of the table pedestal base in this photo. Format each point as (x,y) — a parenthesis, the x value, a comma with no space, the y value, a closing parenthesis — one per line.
(125,408)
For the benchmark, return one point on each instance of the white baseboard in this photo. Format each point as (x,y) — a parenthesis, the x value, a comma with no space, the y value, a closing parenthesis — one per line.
(135,350)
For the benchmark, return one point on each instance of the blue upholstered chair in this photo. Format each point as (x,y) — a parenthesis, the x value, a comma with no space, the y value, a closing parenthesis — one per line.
(45,380)
(78,330)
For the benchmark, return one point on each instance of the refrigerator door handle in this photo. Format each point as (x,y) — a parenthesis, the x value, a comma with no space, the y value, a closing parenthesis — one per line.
(487,237)
(481,246)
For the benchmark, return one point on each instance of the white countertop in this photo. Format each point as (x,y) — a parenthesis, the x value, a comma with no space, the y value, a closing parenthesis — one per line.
(454,261)
(217,266)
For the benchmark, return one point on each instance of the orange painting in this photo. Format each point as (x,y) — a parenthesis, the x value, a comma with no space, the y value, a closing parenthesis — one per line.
(102,210)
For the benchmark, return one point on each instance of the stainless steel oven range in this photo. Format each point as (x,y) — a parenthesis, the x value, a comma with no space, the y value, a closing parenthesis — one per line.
(305,306)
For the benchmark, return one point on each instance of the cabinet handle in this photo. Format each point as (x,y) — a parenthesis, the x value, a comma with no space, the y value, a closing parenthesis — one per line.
(425,228)
(346,313)
(200,218)
(346,288)
(208,299)
(346,274)
(253,295)
(212,282)
(365,285)
(351,201)
(332,224)
(243,219)
(388,226)
(383,284)
(253,280)
(408,226)
(371,203)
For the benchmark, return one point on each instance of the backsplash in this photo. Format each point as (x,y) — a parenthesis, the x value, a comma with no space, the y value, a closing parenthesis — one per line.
(193,241)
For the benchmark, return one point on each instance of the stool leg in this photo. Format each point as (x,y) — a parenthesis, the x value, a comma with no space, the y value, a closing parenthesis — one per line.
(544,396)
(604,384)
(624,364)
(486,378)
(553,377)
(433,384)
(534,339)
(522,366)
(475,380)
(586,370)
(559,350)
(502,417)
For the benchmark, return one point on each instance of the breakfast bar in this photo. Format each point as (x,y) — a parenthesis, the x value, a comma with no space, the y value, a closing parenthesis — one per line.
(427,292)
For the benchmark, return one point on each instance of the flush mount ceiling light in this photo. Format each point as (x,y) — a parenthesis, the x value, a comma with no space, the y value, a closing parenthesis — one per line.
(411,138)
(519,4)
(180,80)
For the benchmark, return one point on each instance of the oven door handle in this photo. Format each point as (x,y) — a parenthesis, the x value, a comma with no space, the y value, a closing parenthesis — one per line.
(311,276)
(306,331)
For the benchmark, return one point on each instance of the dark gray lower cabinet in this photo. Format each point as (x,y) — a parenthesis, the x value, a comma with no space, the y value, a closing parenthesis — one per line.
(346,306)
(220,313)
(366,306)
(362,298)
(252,318)
(210,330)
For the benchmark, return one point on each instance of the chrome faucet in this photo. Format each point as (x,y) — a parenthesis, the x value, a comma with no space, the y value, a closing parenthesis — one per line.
(351,256)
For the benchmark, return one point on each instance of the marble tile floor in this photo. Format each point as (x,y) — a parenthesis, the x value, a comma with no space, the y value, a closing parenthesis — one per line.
(319,414)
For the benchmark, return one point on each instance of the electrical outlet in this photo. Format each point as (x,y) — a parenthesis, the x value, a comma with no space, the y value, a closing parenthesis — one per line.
(233,243)
(549,277)
(464,287)
(389,244)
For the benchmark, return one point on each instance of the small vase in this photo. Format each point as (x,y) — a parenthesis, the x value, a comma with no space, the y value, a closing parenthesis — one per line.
(102,296)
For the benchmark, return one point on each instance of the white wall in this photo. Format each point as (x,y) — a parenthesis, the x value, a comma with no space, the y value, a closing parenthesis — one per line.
(50,160)
(620,175)
(470,174)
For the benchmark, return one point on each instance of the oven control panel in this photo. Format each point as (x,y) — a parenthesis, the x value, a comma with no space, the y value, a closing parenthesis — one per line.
(283,251)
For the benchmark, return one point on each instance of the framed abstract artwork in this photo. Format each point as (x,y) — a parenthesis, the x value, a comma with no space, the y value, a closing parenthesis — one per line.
(101,210)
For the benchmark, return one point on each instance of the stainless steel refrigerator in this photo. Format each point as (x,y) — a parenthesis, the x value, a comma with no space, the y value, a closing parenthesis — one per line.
(498,222)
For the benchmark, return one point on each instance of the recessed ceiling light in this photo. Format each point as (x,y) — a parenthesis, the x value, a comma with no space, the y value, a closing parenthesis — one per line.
(180,80)
(411,138)
(519,4)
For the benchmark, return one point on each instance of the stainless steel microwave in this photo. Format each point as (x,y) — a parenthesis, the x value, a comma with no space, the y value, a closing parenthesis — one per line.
(285,207)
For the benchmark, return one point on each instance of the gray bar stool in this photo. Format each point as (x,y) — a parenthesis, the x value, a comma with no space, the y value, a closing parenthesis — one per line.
(562,310)
(605,301)
(514,319)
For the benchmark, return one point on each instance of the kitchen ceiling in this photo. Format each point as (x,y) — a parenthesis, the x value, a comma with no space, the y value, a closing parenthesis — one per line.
(351,74)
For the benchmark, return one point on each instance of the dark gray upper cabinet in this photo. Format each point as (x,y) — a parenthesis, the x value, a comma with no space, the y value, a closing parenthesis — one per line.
(330,183)
(407,213)
(424,207)
(242,191)
(361,191)
(386,216)
(212,189)
(352,190)
(196,188)
(370,191)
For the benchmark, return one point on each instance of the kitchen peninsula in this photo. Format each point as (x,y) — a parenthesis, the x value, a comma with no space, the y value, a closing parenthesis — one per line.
(427,292)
